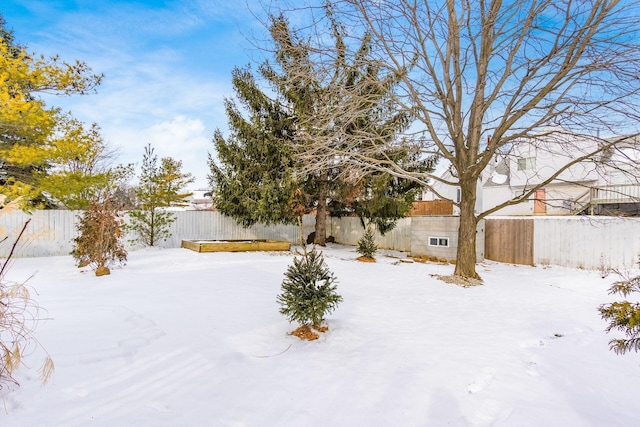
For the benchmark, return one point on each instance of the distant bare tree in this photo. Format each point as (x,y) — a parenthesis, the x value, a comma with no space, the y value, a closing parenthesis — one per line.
(480,77)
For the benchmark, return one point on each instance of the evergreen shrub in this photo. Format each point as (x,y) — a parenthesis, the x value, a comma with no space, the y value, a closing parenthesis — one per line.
(367,245)
(308,290)
(624,315)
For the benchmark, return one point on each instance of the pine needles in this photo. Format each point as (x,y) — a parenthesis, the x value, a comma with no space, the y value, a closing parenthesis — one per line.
(623,315)
(367,244)
(308,290)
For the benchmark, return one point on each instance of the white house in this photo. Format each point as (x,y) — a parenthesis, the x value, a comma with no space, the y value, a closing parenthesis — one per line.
(607,184)
(200,200)
(449,192)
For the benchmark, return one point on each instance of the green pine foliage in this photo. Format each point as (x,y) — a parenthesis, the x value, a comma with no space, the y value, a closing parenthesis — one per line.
(386,198)
(81,169)
(623,315)
(367,244)
(29,128)
(308,290)
(152,226)
(99,242)
(252,174)
(264,160)
(160,186)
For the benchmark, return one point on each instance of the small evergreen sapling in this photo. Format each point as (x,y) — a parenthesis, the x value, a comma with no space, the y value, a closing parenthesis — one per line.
(160,187)
(623,315)
(308,290)
(367,245)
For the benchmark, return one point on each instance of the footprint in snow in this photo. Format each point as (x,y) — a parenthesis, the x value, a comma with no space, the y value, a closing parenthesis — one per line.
(482,381)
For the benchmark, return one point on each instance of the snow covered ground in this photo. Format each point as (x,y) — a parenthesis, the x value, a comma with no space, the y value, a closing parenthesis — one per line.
(178,338)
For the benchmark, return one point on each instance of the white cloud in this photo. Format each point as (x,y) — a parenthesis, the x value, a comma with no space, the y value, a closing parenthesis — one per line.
(167,69)
(181,138)
(186,140)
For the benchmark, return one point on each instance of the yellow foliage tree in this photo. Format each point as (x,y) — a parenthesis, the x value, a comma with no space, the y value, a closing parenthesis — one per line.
(27,125)
(80,166)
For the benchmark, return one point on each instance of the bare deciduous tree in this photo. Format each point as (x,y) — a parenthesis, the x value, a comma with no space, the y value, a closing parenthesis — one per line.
(480,77)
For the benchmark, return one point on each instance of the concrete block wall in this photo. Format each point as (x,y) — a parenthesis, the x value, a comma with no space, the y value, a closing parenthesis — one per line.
(424,229)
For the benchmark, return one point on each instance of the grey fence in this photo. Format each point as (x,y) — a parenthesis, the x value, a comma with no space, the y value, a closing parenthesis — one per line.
(589,242)
(580,242)
(50,232)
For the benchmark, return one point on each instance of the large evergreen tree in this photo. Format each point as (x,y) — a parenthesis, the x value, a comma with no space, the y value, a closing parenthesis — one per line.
(254,179)
(264,160)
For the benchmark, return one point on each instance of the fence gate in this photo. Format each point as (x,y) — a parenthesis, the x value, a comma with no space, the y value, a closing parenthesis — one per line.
(509,240)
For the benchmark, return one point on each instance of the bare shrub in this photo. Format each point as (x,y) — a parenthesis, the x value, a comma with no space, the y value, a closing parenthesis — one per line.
(99,244)
(19,316)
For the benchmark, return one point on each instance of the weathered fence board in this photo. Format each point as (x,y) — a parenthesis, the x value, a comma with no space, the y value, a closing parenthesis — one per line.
(432,207)
(590,242)
(582,242)
(509,240)
(348,230)
(50,232)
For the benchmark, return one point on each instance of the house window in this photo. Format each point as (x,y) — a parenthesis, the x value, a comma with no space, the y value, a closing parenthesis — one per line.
(526,163)
(619,177)
(519,193)
(439,241)
(458,195)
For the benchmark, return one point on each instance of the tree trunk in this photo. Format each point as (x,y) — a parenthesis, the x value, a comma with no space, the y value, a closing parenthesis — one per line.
(152,226)
(466,253)
(321,212)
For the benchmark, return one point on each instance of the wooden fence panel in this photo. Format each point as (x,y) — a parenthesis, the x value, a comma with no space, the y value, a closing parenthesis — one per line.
(509,240)
(590,242)
(582,242)
(432,207)
(50,232)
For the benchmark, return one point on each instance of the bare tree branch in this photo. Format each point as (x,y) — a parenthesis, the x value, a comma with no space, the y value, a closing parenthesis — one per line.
(481,77)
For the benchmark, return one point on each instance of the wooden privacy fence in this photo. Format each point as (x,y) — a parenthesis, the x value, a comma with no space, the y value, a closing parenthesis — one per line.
(432,207)
(50,232)
(590,242)
(509,241)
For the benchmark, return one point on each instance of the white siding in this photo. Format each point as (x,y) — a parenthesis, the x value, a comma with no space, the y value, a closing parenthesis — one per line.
(496,195)
(552,151)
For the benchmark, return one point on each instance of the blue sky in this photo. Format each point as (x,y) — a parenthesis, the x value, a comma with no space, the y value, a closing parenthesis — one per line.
(167,67)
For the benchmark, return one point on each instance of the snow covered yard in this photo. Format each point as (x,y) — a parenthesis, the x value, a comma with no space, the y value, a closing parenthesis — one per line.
(177,338)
